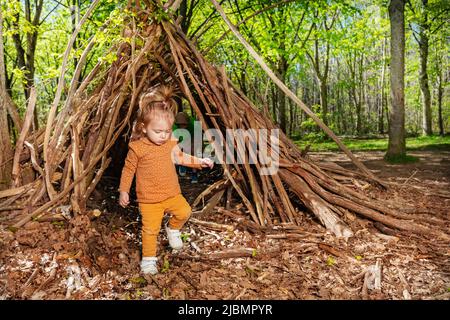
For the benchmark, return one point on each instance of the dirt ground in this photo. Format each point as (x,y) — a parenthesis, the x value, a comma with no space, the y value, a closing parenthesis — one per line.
(98,257)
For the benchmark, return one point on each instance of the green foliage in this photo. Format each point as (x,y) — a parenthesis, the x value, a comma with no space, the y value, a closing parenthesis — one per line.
(160,15)
(109,58)
(356,33)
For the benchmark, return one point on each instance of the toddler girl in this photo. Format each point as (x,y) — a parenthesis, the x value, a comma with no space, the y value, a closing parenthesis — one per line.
(152,154)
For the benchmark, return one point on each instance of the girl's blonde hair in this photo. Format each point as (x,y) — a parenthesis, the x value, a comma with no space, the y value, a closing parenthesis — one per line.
(159,103)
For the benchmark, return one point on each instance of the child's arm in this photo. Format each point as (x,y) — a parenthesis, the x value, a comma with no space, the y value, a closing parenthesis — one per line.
(126,178)
(187,160)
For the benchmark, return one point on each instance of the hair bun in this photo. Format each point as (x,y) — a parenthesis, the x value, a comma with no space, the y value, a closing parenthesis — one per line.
(159,94)
(167,93)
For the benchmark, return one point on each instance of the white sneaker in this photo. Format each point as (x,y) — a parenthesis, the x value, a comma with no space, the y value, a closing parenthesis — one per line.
(148,265)
(174,237)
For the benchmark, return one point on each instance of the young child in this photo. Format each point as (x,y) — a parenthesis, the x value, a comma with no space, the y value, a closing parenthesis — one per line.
(151,156)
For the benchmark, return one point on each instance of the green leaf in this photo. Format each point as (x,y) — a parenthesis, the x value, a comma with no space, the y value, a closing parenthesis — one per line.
(138,280)
(166,265)
(331,261)
(185,237)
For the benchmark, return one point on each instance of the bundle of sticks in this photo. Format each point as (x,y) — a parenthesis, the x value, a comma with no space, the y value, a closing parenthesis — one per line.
(68,156)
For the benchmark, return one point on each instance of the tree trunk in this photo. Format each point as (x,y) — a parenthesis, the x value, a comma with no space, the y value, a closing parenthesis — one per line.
(440,94)
(324,99)
(292,113)
(423,77)
(274,92)
(281,96)
(382,101)
(355,95)
(322,77)
(362,96)
(183,13)
(397,144)
(323,81)
(75,18)
(5,144)
(339,116)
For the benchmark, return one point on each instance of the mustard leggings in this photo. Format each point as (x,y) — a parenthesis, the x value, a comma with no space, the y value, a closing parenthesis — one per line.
(152,215)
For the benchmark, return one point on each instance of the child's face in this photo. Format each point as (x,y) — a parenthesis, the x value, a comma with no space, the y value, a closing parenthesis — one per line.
(158,131)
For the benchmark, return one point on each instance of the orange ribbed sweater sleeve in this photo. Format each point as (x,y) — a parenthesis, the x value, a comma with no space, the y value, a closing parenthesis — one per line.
(128,170)
(185,159)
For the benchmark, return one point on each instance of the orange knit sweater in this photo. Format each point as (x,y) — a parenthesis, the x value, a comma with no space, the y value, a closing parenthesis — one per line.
(156,177)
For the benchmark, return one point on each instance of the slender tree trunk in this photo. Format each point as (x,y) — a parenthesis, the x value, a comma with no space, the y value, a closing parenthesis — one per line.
(440,93)
(324,99)
(423,77)
(322,77)
(359,128)
(397,144)
(293,112)
(243,81)
(274,92)
(356,102)
(5,144)
(382,105)
(339,122)
(368,101)
(183,12)
(282,110)
(294,127)
(75,18)
(386,108)
(282,68)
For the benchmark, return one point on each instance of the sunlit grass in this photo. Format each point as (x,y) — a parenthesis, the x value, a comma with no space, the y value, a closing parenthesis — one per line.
(439,143)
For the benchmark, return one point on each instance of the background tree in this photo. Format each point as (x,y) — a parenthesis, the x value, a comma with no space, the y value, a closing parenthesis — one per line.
(427,18)
(397,144)
(5,142)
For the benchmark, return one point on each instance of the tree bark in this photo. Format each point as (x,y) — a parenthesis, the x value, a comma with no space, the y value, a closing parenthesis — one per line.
(324,99)
(423,77)
(5,142)
(397,144)
(322,78)
(282,69)
(382,104)
(440,93)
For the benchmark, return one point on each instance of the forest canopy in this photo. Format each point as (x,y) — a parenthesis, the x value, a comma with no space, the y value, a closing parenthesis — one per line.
(333,54)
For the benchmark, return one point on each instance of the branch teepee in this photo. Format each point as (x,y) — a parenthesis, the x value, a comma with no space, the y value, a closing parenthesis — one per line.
(69,156)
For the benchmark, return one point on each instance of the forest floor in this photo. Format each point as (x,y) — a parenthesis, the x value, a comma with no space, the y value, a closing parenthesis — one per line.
(98,258)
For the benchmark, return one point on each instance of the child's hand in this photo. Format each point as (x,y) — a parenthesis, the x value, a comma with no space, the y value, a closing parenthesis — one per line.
(124,198)
(207,163)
